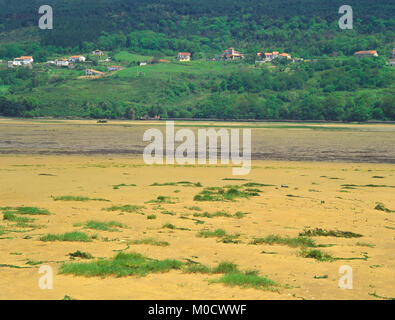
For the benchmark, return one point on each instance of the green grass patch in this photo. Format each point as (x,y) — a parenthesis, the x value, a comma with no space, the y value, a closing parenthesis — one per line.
(248,279)
(123,264)
(289,241)
(170,213)
(77,198)
(227,193)
(381,207)
(169,226)
(316,254)
(364,244)
(374,294)
(104,226)
(152,242)
(80,254)
(318,232)
(127,208)
(180,183)
(368,185)
(255,184)
(13,218)
(151,217)
(232,276)
(117,186)
(195,208)
(68,236)
(220,234)
(164,199)
(26,210)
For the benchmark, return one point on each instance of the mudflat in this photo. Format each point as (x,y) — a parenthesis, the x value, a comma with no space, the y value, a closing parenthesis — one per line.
(370,143)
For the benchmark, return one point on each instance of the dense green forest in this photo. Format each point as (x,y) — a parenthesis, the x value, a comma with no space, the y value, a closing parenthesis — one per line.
(330,84)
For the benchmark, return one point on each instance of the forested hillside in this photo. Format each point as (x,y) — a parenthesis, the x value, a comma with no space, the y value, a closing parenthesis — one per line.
(330,84)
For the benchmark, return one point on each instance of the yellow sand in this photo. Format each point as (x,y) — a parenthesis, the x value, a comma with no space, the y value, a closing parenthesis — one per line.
(320,204)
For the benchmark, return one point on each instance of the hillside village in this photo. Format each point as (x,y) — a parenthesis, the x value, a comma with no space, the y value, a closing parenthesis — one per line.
(269,84)
(230,54)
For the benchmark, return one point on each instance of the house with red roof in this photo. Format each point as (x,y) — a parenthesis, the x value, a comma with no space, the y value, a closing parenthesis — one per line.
(367,53)
(24,60)
(77,59)
(184,56)
(231,54)
(269,56)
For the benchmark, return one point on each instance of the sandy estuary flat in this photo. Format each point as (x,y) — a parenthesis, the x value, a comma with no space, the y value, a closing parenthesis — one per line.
(113,227)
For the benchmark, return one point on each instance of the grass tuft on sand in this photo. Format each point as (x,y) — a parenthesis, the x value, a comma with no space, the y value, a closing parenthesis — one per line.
(127,208)
(289,241)
(248,279)
(316,254)
(221,234)
(318,232)
(117,186)
(80,254)
(104,226)
(226,193)
(381,207)
(122,265)
(232,276)
(77,198)
(68,236)
(151,241)
(26,210)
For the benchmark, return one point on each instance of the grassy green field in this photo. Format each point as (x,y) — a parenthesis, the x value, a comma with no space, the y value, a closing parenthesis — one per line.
(162,83)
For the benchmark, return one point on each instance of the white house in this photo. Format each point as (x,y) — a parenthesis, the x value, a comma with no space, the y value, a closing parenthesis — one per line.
(77,59)
(62,62)
(97,53)
(184,56)
(269,56)
(27,59)
(24,60)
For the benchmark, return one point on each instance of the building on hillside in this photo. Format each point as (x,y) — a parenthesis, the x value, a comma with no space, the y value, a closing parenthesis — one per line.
(143,63)
(24,60)
(285,55)
(392,62)
(164,60)
(114,68)
(231,54)
(184,56)
(62,63)
(77,59)
(27,59)
(393,53)
(269,56)
(97,53)
(91,72)
(367,53)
